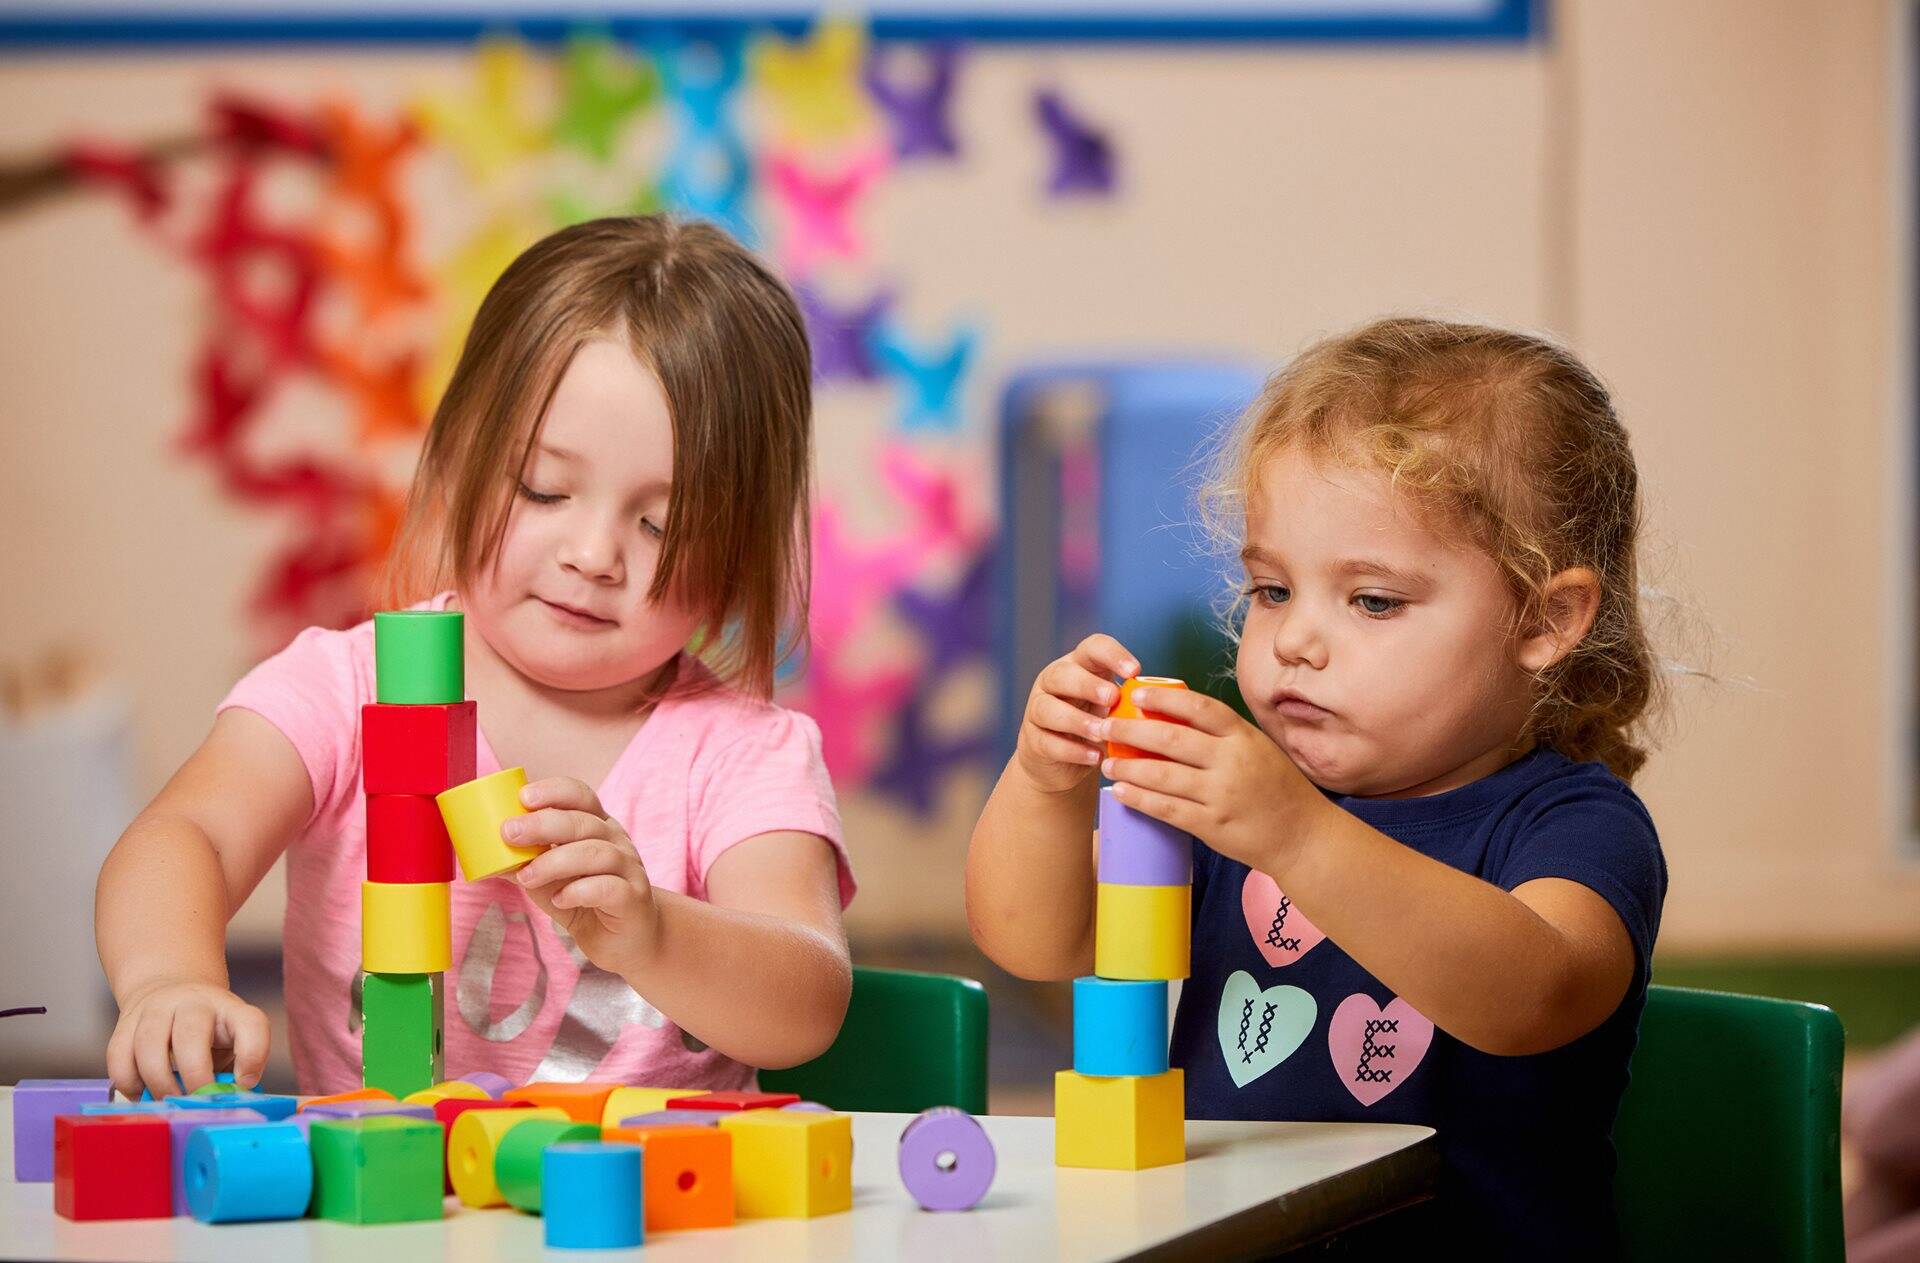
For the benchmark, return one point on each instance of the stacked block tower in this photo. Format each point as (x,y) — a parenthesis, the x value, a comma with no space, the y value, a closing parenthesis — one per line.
(417,741)
(1121,1107)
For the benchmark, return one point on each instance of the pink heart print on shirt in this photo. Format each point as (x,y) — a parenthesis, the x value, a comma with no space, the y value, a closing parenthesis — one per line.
(1281,931)
(1374,1049)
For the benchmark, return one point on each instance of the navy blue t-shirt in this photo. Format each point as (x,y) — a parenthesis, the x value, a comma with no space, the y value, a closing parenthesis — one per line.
(1277,1022)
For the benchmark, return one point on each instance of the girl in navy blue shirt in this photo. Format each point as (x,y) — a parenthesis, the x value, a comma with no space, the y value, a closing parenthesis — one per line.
(1423,889)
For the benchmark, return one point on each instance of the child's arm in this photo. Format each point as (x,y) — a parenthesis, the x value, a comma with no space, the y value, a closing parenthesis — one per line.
(166,892)
(1030,875)
(1507,972)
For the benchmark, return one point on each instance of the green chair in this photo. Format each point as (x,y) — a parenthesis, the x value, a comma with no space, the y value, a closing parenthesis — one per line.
(911,1041)
(1729,1134)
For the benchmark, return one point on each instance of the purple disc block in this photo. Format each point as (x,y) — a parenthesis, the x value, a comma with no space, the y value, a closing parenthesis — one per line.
(946,1159)
(489,1082)
(35,1103)
(810,1107)
(1137,850)
(182,1124)
(679,1118)
(368,1109)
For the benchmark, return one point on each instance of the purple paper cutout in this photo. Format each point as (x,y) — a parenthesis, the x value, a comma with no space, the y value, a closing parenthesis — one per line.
(841,337)
(1082,157)
(917,113)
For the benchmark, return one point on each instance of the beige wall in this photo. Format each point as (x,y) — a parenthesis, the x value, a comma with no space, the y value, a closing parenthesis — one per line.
(1699,194)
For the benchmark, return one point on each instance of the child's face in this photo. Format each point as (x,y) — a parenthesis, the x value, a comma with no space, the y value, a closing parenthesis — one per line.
(566,602)
(1378,654)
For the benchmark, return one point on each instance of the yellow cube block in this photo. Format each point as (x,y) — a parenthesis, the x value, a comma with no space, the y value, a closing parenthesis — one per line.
(625,1103)
(1142,932)
(791,1164)
(471,1147)
(452,1089)
(474,813)
(406,928)
(1119,1124)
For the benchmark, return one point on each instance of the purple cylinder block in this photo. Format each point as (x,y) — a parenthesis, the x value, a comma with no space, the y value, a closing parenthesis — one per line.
(1137,850)
(946,1159)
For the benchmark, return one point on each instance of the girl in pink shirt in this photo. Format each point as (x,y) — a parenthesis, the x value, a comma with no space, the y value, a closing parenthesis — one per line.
(614,493)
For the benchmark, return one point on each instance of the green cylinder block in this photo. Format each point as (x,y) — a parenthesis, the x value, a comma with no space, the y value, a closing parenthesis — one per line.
(516,1163)
(419,657)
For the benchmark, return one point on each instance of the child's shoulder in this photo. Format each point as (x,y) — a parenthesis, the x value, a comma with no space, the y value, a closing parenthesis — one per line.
(723,714)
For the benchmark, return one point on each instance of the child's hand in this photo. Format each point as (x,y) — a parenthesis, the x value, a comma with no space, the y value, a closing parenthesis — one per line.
(193,1026)
(590,881)
(1220,779)
(1058,746)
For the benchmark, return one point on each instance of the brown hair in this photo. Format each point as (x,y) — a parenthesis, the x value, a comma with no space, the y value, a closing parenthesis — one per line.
(1517,442)
(725,339)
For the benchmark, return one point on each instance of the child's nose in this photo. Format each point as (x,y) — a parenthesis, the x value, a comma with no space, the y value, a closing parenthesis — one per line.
(593,552)
(1298,641)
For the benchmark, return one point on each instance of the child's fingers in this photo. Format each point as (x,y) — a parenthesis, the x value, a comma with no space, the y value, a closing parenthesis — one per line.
(1176,780)
(580,859)
(1059,749)
(1103,654)
(250,1035)
(193,1044)
(1065,678)
(1157,736)
(1208,714)
(152,1044)
(604,891)
(566,792)
(120,1066)
(552,826)
(1178,812)
(1051,714)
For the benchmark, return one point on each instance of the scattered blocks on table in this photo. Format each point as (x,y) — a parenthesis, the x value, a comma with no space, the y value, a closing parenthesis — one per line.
(1137,850)
(582,1102)
(487,1081)
(415,749)
(376,1170)
(419,657)
(946,1159)
(1119,1027)
(357,1094)
(372,1109)
(1126,708)
(401,1024)
(406,928)
(732,1100)
(791,1165)
(689,1175)
(516,1160)
(451,1090)
(473,1144)
(407,839)
(127,1107)
(624,1103)
(593,1199)
(112,1166)
(248,1173)
(222,1082)
(448,1110)
(35,1103)
(269,1105)
(1142,932)
(678,1118)
(1122,1124)
(474,813)
(181,1124)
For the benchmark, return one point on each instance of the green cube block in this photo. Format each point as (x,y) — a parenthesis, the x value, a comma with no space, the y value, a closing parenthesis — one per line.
(419,657)
(378,1170)
(401,1031)
(516,1163)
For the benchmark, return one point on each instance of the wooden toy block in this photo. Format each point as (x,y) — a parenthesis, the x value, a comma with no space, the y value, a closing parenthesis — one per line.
(1142,932)
(376,1170)
(516,1161)
(269,1105)
(1119,1027)
(474,813)
(625,1103)
(473,1144)
(446,1112)
(593,1199)
(416,749)
(35,1103)
(791,1165)
(419,657)
(358,1094)
(401,1031)
(582,1102)
(248,1173)
(181,1124)
(407,840)
(1126,708)
(1137,850)
(112,1166)
(732,1101)
(1128,1123)
(688,1176)
(451,1090)
(406,929)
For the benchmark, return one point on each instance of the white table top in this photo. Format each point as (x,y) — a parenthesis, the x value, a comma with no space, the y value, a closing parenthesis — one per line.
(1243,1183)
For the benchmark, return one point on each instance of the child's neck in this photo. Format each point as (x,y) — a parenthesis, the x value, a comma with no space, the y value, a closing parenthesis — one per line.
(1481,765)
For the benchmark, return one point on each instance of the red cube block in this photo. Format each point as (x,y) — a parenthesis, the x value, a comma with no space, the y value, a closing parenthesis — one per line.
(407,842)
(453,1107)
(733,1101)
(416,749)
(112,1166)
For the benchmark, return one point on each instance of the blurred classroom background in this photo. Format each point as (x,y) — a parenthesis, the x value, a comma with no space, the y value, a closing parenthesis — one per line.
(1042,261)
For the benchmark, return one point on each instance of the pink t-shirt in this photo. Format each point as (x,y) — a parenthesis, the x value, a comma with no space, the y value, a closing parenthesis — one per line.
(705,771)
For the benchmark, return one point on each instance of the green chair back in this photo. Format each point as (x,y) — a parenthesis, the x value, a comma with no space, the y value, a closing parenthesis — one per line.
(1729,1133)
(911,1041)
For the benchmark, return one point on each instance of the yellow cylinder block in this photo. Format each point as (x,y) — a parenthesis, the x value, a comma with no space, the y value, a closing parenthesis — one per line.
(452,1089)
(624,1103)
(406,928)
(474,813)
(1142,932)
(472,1144)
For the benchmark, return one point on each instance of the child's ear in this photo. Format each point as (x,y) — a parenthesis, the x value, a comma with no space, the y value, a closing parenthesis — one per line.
(1567,611)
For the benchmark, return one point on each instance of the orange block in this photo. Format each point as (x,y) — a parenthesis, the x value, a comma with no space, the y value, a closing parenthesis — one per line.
(358,1094)
(686,1177)
(1125,709)
(582,1102)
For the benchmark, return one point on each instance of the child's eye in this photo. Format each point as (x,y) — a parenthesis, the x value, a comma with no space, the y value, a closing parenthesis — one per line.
(1268,593)
(1375,606)
(657,532)
(539,497)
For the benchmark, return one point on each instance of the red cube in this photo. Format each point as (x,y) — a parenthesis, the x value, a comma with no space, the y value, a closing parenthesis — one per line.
(416,749)
(112,1166)
(453,1107)
(407,840)
(733,1101)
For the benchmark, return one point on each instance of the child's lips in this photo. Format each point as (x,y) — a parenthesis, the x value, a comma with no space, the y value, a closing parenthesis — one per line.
(574,617)
(1294,706)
